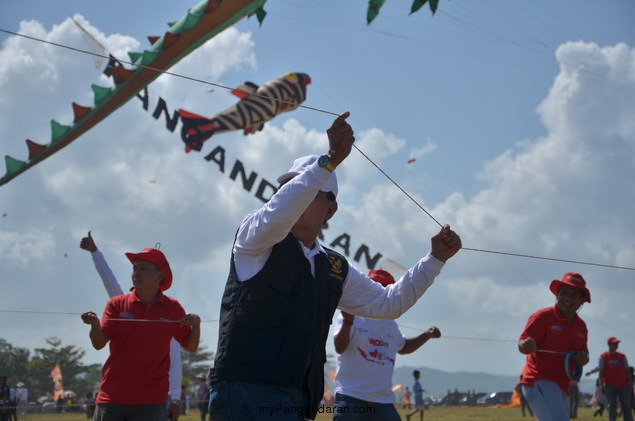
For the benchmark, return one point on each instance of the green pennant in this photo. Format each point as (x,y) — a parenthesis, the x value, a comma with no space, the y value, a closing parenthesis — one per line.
(58,131)
(134,56)
(101,93)
(13,165)
(433,5)
(373,9)
(416,5)
(188,22)
(148,57)
(260,15)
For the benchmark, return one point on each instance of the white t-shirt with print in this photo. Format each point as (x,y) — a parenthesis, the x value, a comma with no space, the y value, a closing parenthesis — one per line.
(365,368)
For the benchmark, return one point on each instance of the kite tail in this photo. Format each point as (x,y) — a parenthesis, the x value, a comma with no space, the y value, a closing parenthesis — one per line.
(196,130)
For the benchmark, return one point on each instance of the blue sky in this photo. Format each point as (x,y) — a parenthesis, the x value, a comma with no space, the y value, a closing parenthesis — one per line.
(519,115)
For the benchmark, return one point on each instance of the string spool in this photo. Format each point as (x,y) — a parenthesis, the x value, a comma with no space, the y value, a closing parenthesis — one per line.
(571,368)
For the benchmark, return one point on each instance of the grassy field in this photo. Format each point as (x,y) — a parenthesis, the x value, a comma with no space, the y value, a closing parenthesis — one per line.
(434,413)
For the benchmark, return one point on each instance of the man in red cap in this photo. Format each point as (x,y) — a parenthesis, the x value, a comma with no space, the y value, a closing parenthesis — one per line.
(111,284)
(139,327)
(549,336)
(618,384)
(367,349)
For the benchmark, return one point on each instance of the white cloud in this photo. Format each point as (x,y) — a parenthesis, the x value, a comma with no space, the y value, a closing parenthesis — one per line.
(25,248)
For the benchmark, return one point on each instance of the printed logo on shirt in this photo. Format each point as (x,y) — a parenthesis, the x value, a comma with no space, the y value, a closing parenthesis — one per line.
(556,328)
(614,363)
(126,315)
(376,357)
(378,342)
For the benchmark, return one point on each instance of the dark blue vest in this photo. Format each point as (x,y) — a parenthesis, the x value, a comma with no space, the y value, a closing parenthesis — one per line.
(274,326)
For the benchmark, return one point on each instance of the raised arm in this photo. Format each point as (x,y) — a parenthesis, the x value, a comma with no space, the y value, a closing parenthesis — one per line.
(107,277)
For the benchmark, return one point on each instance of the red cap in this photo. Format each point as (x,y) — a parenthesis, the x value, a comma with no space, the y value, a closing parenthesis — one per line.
(157,258)
(381,276)
(573,280)
(613,340)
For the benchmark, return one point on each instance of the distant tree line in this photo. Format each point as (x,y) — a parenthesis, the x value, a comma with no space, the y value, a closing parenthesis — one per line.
(34,369)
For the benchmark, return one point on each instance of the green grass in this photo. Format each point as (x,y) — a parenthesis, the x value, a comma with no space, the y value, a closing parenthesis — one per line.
(432,414)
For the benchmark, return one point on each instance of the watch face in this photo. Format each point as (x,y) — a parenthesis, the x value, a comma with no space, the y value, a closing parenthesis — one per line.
(323,160)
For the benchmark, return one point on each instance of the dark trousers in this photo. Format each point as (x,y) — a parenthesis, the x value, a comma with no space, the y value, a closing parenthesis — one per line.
(114,412)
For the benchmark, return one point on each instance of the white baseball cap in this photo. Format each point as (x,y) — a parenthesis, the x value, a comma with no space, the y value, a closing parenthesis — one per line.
(299,166)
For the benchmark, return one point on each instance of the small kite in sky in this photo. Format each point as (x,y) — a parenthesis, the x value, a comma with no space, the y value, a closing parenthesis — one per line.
(257,105)
(411,160)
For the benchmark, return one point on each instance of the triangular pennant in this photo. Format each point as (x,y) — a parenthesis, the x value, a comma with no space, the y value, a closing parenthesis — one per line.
(153,39)
(260,15)
(433,5)
(121,74)
(58,131)
(80,112)
(373,9)
(34,148)
(148,57)
(13,165)
(134,56)
(169,39)
(101,93)
(187,23)
(416,5)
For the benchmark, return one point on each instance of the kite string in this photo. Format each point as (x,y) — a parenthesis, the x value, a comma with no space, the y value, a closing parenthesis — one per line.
(216,320)
(325,112)
(160,71)
(109,319)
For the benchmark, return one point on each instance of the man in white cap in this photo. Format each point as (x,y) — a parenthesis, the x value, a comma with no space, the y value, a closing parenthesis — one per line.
(139,327)
(283,288)
(22,398)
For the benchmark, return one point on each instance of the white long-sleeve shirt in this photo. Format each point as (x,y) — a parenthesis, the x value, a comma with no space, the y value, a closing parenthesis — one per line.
(267,226)
(113,288)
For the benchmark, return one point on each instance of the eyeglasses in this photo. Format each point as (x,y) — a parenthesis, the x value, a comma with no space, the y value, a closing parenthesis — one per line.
(327,195)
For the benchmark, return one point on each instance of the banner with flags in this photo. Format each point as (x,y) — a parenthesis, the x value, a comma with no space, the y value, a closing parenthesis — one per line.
(58,388)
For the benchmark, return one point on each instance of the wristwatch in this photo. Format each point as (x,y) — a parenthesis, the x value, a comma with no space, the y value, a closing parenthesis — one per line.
(325,162)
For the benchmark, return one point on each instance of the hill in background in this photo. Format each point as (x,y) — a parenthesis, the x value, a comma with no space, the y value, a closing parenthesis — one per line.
(438,382)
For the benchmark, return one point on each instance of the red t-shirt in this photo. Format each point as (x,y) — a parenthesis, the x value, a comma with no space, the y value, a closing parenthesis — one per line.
(552,332)
(136,371)
(615,366)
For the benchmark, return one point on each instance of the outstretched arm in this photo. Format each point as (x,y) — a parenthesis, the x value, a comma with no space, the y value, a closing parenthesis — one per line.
(412,344)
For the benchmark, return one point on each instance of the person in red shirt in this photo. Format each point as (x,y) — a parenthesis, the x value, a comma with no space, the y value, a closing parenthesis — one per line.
(549,336)
(139,327)
(615,373)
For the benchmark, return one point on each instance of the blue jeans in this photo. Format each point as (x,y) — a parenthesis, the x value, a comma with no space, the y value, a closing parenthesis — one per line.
(348,408)
(235,401)
(612,394)
(547,401)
